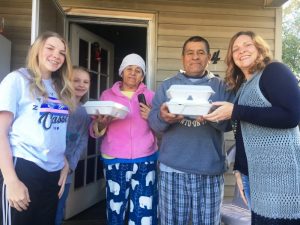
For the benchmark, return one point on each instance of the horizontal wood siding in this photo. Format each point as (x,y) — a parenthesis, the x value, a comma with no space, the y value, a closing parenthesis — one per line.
(17,15)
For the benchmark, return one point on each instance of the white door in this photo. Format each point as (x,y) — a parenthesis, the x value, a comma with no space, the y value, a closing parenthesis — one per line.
(96,54)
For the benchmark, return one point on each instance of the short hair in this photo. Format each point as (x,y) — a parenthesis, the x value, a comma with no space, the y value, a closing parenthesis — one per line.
(196,39)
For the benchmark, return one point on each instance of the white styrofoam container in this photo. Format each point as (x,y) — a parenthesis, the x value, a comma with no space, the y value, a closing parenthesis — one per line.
(106,108)
(188,107)
(190,92)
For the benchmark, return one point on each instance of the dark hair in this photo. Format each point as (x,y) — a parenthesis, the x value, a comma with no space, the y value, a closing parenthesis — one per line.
(196,39)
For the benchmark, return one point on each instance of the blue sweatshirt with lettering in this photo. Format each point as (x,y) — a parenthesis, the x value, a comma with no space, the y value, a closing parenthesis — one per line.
(190,146)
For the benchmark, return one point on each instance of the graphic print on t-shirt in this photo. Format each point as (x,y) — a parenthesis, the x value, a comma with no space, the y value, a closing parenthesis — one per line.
(52,113)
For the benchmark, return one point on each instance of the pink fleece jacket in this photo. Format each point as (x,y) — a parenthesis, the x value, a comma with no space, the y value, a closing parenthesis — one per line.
(131,137)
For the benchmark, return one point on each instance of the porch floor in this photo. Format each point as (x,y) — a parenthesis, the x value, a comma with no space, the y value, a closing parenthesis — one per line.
(94,215)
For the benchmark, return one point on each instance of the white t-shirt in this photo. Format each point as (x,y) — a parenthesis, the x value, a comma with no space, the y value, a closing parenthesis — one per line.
(38,132)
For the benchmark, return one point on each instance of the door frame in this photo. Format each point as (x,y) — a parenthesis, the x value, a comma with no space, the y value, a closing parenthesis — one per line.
(125,18)
(35,20)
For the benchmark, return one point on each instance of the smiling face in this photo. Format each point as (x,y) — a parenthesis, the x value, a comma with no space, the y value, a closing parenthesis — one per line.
(195,58)
(81,83)
(244,53)
(51,56)
(132,77)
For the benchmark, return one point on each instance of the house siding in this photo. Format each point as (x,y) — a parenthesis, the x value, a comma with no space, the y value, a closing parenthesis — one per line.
(17,28)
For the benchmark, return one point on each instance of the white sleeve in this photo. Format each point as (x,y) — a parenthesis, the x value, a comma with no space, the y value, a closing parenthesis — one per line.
(10,92)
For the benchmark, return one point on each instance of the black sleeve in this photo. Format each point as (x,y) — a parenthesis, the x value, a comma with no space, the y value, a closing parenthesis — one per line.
(279,86)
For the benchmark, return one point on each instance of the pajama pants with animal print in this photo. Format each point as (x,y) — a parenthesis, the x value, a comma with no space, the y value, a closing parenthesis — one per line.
(131,193)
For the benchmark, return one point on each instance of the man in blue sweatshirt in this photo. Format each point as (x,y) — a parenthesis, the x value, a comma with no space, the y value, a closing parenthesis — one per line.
(191,156)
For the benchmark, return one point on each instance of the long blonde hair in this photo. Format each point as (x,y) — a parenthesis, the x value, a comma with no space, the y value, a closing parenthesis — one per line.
(61,78)
(234,75)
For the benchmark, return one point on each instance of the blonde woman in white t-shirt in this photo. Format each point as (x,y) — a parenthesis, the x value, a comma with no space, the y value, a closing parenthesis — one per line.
(34,110)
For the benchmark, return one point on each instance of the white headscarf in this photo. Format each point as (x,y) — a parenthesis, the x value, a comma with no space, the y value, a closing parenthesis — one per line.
(132,59)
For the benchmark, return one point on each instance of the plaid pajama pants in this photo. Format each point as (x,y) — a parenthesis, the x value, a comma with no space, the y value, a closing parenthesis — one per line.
(185,198)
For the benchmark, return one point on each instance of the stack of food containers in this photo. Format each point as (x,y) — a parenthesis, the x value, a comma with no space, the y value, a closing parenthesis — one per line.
(189,100)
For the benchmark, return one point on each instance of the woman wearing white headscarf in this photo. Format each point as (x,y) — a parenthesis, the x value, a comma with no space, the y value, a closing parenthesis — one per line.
(129,149)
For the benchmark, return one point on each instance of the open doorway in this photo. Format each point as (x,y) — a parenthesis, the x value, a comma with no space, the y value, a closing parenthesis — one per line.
(126,40)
